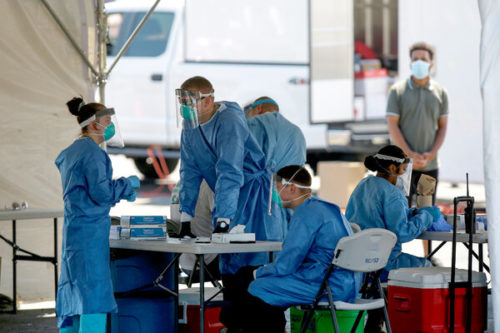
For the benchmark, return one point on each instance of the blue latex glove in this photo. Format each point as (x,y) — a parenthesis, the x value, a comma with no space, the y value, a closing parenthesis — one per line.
(134,182)
(434,211)
(132,196)
(440,225)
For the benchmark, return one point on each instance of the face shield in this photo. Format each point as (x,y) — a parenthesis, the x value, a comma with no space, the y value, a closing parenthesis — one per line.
(188,112)
(107,120)
(404,179)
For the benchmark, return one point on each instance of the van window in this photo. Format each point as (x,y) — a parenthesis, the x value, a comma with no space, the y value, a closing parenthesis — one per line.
(150,42)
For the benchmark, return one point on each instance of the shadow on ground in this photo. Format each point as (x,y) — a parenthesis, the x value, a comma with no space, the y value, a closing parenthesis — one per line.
(29,321)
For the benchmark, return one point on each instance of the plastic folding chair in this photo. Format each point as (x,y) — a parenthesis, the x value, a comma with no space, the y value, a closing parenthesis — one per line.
(365,251)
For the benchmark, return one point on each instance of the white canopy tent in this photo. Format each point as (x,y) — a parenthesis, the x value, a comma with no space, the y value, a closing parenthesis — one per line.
(490,89)
(40,70)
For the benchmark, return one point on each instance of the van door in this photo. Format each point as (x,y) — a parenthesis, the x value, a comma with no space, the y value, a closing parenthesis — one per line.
(137,85)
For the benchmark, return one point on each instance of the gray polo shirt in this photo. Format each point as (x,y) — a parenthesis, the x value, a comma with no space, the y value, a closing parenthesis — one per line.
(419,110)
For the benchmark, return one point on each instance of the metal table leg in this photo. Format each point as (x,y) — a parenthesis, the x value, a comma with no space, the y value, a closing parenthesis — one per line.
(55,258)
(14,268)
(202,293)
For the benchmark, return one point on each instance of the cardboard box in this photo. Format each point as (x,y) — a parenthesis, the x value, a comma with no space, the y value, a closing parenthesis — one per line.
(233,238)
(338,180)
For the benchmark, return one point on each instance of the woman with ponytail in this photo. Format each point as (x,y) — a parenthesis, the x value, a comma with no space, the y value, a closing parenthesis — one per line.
(377,202)
(85,293)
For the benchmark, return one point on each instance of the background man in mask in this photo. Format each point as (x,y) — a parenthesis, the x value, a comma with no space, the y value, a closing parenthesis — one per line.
(417,116)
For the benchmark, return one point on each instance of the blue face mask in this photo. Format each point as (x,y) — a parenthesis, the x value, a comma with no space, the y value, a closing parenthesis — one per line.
(109,131)
(187,112)
(420,69)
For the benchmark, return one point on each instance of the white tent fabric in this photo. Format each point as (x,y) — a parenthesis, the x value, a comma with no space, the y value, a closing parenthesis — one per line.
(39,72)
(490,89)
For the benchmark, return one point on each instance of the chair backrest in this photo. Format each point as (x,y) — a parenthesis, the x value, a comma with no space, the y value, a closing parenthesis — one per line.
(355,227)
(365,251)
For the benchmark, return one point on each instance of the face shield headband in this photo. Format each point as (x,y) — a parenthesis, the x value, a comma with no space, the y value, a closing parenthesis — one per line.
(105,112)
(249,108)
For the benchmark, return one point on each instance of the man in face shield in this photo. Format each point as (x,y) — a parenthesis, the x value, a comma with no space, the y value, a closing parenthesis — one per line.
(216,146)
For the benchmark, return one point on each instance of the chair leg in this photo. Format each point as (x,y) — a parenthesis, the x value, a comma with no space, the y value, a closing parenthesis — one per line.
(386,314)
(306,319)
(386,319)
(356,322)
(332,309)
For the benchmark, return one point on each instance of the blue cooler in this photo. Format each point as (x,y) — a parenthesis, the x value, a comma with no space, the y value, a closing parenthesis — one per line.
(139,269)
(149,310)
(144,315)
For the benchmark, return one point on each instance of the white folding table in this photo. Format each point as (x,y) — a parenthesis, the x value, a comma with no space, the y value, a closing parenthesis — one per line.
(29,214)
(199,249)
(479,238)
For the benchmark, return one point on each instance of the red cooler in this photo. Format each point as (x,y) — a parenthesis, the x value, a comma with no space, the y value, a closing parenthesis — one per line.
(189,311)
(419,300)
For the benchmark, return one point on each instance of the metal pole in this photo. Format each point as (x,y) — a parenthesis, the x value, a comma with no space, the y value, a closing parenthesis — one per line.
(55,256)
(14,268)
(101,49)
(202,293)
(132,37)
(72,41)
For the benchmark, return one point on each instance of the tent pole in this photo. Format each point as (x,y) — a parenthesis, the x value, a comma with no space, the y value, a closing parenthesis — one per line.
(101,50)
(72,41)
(132,36)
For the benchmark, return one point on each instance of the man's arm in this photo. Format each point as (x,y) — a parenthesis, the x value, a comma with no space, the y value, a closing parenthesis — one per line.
(397,135)
(438,142)
(399,140)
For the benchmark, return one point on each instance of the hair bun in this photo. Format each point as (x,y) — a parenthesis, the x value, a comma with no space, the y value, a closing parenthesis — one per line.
(74,105)
(371,163)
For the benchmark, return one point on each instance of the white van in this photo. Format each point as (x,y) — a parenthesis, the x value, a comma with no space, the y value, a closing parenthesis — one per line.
(246,52)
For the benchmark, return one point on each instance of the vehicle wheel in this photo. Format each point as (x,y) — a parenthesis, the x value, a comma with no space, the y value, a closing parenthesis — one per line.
(145,166)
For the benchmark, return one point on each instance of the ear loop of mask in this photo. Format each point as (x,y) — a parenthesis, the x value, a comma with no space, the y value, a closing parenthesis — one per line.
(96,133)
(297,198)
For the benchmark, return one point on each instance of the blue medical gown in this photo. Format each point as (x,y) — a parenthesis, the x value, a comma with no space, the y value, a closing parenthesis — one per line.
(283,144)
(281,141)
(88,193)
(224,153)
(296,275)
(376,203)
